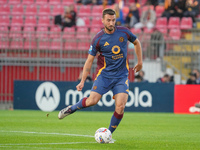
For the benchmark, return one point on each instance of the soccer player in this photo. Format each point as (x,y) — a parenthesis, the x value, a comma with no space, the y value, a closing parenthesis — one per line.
(111,44)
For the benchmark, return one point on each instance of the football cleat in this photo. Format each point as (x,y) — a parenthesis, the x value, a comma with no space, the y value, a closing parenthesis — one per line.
(65,112)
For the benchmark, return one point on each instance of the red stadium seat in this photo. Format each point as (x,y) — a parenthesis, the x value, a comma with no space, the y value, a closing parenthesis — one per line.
(136,31)
(82,33)
(15,32)
(5,20)
(4,9)
(97,22)
(44,10)
(97,10)
(161,23)
(68,2)
(84,11)
(30,44)
(4,44)
(44,21)
(29,32)
(17,44)
(42,32)
(17,21)
(28,2)
(30,21)
(18,10)
(41,2)
(83,46)
(2,2)
(175,34)
(87,21)
(31,10)
(148,31)
(14,2)
(163,30)
(3,32)
(54,2)
(174,22)
(186,23)
(43,44)
(57,10)
(55,32)
(70,45)
(94,31)
(69,33)
(159,10)
(56,44)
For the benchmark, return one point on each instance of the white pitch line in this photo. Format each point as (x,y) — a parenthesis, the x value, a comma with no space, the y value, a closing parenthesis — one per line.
(22,144)
(28,132)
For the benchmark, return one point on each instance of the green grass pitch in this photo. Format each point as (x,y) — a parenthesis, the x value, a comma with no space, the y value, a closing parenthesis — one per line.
(29,130)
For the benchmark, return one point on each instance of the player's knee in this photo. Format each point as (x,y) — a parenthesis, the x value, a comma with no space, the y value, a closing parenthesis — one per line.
(120,109)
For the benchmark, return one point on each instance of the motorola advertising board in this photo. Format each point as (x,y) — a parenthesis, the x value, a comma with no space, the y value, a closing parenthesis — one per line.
(49,96)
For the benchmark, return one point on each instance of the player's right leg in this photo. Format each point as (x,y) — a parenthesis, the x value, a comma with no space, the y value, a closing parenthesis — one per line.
(83,103)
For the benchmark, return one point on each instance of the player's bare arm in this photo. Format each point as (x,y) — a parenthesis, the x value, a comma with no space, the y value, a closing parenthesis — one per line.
(86,71)
(138,51)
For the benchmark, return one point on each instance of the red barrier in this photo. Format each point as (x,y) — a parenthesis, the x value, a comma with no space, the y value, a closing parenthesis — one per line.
(185,98)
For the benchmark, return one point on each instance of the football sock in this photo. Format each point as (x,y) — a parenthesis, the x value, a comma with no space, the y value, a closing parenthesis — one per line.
(115,120)
(81,104)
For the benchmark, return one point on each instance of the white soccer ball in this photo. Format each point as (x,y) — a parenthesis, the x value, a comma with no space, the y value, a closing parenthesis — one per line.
(103,135)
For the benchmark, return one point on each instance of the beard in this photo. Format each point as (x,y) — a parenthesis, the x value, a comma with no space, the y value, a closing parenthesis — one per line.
(110,29)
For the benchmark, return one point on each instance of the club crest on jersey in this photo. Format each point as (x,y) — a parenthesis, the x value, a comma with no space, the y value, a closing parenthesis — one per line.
(121,39)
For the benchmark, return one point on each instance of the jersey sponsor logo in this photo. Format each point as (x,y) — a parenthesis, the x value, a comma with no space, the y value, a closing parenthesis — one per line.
(47,96)
(116,49)
(121,39)
(106,44)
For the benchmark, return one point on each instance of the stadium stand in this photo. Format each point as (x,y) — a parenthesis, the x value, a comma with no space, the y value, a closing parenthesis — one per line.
(5,20)
(30,21)
(31,10)
(174,22)
(14,2)
(69,33)
(159,9)
(17,10)
(29,32)
(55,32)
(67,2)
(41,2)
(3,2)
(55,2)
(42,32)
(57,10)
(84,11)
(26,32)
(186,23)
(5,9)
(44,10)
(28,2)
(17,21)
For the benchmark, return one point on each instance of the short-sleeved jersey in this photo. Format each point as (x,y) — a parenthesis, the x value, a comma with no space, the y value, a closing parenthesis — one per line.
(112,52)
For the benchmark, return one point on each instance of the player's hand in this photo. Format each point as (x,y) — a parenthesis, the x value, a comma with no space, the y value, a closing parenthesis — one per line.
(80,86)
(138,67)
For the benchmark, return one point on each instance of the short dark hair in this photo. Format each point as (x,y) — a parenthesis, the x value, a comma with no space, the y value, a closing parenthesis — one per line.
(108,11)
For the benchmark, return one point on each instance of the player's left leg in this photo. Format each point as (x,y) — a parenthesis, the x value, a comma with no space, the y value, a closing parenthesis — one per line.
(120,102)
